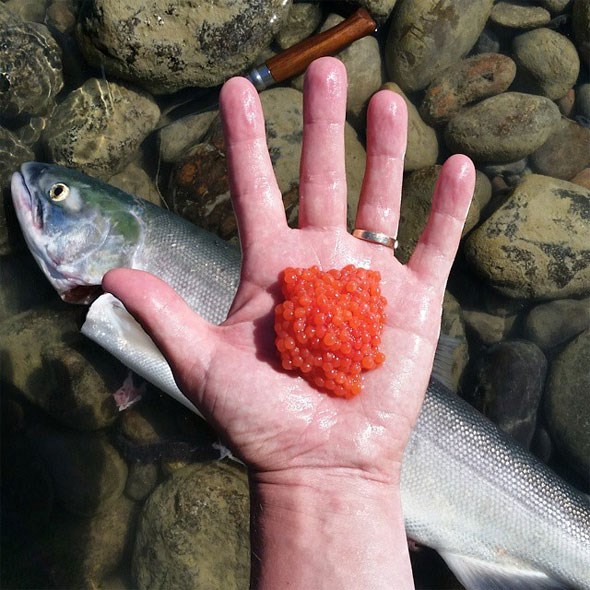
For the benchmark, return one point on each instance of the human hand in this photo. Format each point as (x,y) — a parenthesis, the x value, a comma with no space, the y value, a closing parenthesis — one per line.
(274,420)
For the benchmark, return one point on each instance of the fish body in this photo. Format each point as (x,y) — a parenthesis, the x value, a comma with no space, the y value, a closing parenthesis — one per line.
(499,517)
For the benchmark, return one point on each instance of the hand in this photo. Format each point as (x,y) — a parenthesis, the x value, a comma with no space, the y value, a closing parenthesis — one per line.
(283,428)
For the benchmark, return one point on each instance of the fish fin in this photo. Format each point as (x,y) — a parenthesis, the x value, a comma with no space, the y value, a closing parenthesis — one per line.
(442,369)
(476,574)
(113,328)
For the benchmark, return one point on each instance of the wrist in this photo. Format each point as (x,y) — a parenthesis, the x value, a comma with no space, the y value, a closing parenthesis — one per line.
(347,531)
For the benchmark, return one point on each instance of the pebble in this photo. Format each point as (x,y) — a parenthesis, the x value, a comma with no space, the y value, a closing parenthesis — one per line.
(422,149)
(61,14)
(535,245)
(507,384)
(582,178)
(583,100)
(552,324)
(58,370)
(547,63)
(378,9)
(517,15)
(88,473)
(200,187)
(31,71)
(13,152)
(452,325)
(427,37)
(141,480)
(99,127)
(133,179)
(487,328)
(555,5)
(566,103)
(8,17)
(503,128)
(511,172)
(27,10)
(567,401)
(565,153)
(469,80)
(194,531)
(581,26)
(302,21)
(417,192)
(150,45)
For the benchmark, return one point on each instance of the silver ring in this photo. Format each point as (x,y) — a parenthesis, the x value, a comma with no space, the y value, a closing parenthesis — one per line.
(376,238)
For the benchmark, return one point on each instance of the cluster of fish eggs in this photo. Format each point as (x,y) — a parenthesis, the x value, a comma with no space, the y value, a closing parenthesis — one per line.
(329,326)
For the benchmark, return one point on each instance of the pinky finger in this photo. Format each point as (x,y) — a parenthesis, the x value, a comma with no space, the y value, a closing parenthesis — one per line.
(437,246)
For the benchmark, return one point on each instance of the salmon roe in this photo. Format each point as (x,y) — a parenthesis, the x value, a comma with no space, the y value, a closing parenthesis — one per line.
(329,326)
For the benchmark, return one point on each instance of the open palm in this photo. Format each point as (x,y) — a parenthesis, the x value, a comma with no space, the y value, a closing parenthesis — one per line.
(274,420)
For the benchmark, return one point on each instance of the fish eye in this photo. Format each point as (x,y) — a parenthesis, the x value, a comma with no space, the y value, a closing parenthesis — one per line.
(59,191)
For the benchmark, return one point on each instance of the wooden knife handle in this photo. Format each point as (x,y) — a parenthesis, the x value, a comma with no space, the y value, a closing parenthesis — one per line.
(295,60)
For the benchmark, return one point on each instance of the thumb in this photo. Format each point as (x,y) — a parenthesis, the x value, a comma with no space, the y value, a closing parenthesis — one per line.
(185,339)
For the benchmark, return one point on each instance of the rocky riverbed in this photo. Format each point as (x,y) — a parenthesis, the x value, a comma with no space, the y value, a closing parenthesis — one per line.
(94,498)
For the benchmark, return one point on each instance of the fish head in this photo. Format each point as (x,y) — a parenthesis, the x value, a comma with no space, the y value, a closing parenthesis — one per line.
(76,227)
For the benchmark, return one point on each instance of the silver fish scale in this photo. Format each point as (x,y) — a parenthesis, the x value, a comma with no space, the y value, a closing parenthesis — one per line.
(520,503)
(201,267)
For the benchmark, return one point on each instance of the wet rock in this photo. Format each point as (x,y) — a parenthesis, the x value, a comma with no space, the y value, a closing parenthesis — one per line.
(467,81)
(452,325)
(88,473)
(581,26)
(487,328)
(379,9)
(135,180)
(550,324)
(194,531)
(536,244)
(503,128)
(519,15)
(565,153)
(84,551)
(511,172)
(555,5)
(567,399)
(99,127)
(364,69)
(149,45)
(48,361)
(566,103)
(31,71)
(200,188)
(547,62)
(61,14)
(177,138)
(13,152)
(422,148)
(302,21)
(583,100)
(427,37)
(30,133)
(508,381)
(8,17)
(416,202)
(141,480)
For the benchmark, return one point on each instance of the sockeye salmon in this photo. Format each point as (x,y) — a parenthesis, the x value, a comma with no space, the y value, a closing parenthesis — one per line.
(499,517)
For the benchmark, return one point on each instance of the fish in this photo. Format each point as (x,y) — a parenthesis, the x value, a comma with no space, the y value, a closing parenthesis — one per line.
(498,516)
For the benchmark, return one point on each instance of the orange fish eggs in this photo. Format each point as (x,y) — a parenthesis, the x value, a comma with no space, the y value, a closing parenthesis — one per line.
(329,326)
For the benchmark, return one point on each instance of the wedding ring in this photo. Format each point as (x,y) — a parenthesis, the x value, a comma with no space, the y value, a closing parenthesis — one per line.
(376,238)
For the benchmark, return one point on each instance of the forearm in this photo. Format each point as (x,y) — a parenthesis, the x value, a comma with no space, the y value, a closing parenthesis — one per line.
(328,534)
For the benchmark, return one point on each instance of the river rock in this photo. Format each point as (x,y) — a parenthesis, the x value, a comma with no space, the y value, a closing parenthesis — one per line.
(164,47)
(84,551)
(99,127)
(31,71)
(551,324)
(457,347)
(416,203)
(141,480)
(565,153)
(503,128)
(582,178)
(486,328)
(302,21)
(135,180)
(467,81)
(566,103)
(13,152)
(200,188)
(61,14)
(364,69)
(49,362)
(88,473)
(583,100)
(547,62)
(427,36)
(581,26)
(537,244)
(8,17)
(194,531)
(519,15)
(511,172)
(508,380)
(422,148)
(379,9)
(567,402)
